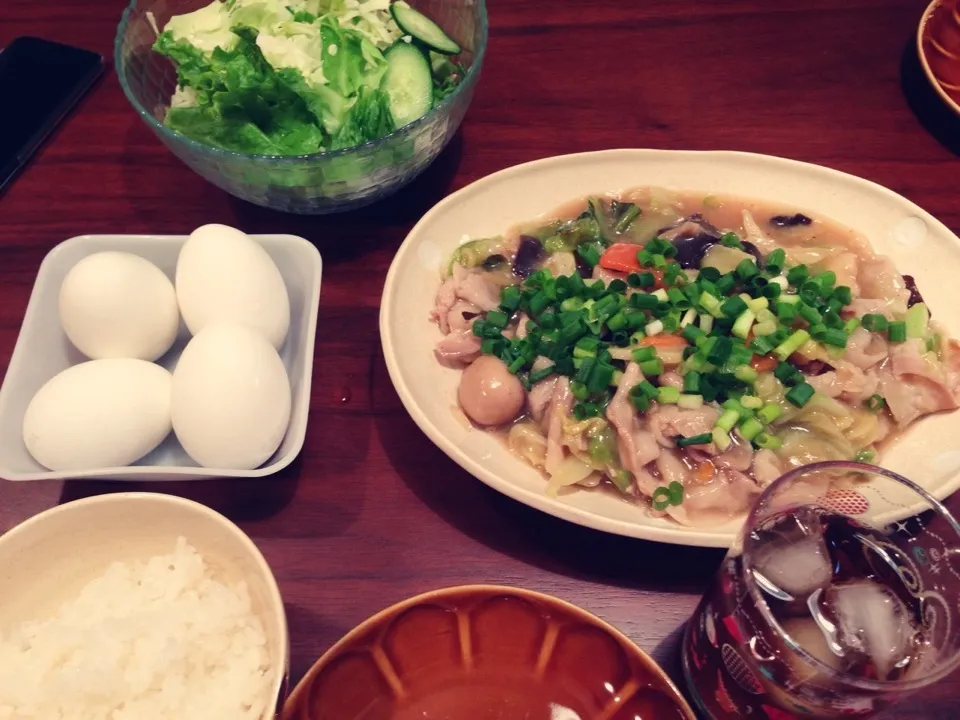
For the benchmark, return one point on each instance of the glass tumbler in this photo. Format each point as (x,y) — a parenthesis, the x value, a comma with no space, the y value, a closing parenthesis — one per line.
(838,598)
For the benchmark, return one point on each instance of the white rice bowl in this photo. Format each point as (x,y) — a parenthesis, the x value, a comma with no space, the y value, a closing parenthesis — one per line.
(137,607)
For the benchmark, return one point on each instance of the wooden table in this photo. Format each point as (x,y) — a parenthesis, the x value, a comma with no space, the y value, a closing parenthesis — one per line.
(372,512)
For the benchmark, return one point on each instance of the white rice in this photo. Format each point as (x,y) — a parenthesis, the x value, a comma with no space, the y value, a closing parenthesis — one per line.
(154,640)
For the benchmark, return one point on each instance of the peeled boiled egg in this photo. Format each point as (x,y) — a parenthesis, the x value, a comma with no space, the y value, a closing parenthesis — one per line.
(224,276)
(489,393)
(231,398)
(99,414)
(119,305)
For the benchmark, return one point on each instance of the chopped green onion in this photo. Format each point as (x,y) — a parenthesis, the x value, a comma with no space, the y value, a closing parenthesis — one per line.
(826,279)
(791,344)
(774,289)
(679,300)
(691,382)
(571,304)
(660,499)
(490,346)
(865,456)
(720,351)
(897,332)
(787,374)
(730,239)
(768,413)
(706,322)
(517,365)
(762,345)
(766,441)
(875,322)
(539,303)
(765,328)
(796,276)
(721,438)
(850,325)
(711,304)
(641,394)
(727,420)
(808,313)
(749,429)
(617,322)
(688,318)
(703,439)
(842,294)
(690,402)
(600,377)
(652,368)
(917,319)
(746,374)
(726,283)
(668,395)
(786,312)
(541,374)
(833,337)
(497,319)
(875,403)
(732,307)
(774,261)
(589,253)
(734,404)
(586,347)
(510,298)
(751,402)
(584,371)
(643,301)
(746,269)
(741,328)
(800,394)
(643,354)
(654,328)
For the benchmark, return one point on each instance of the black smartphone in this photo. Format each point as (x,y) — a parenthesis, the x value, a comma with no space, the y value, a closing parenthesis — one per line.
(40,83)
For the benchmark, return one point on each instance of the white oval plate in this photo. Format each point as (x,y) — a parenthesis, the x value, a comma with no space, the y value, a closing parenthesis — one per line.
(919,244)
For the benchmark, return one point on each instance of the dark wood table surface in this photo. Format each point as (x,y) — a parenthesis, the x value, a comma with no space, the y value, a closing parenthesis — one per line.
(372,512)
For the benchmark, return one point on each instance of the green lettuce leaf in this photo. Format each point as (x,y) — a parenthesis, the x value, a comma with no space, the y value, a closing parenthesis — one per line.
(245,105)
(369,118)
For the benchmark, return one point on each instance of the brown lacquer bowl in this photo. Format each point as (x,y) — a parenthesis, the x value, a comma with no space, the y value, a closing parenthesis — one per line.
(938,42)
(485,653)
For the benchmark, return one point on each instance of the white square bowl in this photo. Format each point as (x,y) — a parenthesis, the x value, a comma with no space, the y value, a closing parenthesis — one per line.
(43,350)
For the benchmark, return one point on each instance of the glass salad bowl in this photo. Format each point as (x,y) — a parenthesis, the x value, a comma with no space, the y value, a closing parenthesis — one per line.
(317,183)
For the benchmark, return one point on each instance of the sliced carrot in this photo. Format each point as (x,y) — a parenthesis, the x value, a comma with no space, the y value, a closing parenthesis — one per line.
(764,363)
(621,257)
(664,342)
(705,472)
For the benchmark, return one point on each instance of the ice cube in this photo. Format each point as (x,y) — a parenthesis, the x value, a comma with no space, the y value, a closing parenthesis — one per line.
(805,633)
(794,560)
(872,620)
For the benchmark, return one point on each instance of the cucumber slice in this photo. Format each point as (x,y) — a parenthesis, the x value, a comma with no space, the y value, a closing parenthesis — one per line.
(407,83)
(422,28)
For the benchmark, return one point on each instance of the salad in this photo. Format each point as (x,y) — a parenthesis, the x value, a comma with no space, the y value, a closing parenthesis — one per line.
(677,351)
(294,77)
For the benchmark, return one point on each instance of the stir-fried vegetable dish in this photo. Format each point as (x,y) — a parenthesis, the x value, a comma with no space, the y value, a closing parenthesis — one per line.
(687,352)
